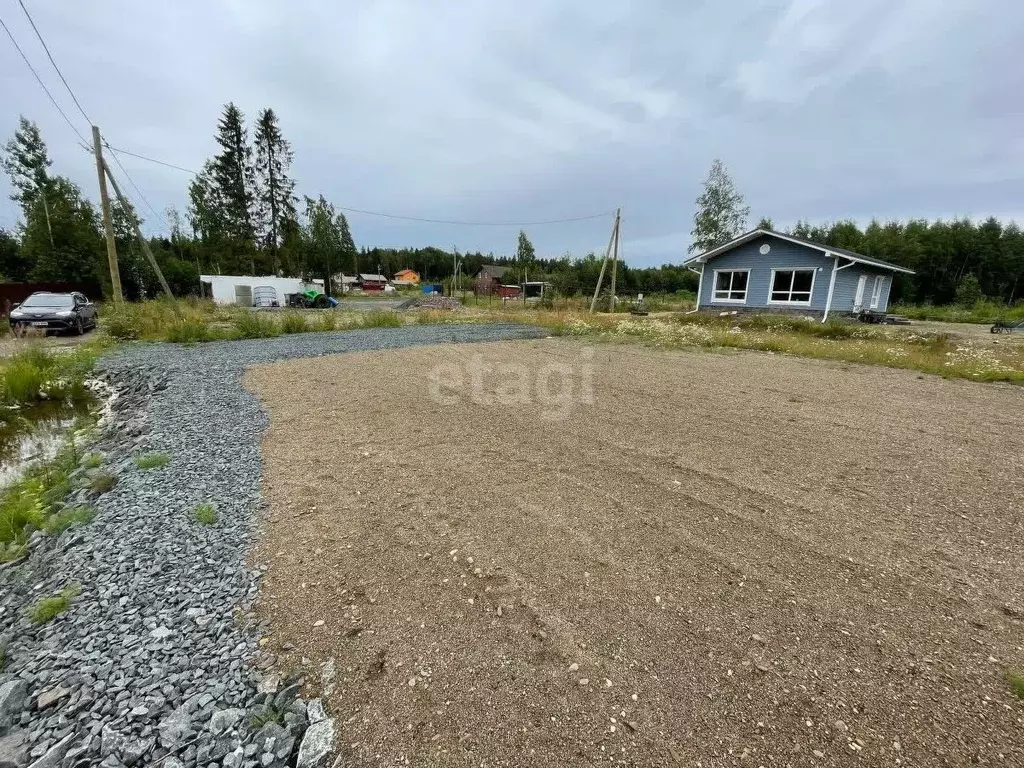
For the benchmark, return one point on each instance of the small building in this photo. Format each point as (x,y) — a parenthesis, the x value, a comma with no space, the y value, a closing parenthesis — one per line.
(345,283)
(370,282)
(766,270)
(489,279)
(406,277)
(241,289)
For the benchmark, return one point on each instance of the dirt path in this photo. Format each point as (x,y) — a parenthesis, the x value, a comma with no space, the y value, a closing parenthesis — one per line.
(724,560)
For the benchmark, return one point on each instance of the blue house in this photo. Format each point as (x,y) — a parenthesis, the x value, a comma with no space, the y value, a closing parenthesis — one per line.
(766,270)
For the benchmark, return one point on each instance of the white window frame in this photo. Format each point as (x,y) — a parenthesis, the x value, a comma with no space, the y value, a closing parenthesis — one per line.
(876,291)
(771,286)
(714,287)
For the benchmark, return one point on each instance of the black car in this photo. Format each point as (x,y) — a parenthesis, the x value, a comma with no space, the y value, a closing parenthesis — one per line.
(54,312)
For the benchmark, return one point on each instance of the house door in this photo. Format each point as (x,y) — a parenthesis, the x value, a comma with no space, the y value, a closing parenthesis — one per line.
(858,300)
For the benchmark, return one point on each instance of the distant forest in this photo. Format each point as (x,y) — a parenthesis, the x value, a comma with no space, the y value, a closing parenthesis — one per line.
(244,217)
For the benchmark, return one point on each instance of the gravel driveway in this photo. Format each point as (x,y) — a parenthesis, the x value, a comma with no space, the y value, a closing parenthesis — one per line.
(724,560)
(153,662)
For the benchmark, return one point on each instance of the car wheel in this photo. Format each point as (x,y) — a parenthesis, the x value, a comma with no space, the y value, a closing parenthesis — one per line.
(79,326)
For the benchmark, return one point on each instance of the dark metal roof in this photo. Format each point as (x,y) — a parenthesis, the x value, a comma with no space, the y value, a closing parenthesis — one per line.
(747,236)
(493,270)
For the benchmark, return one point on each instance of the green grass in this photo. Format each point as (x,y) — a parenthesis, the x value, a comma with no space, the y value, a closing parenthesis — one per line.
(382,318)
(92,461)
(985,312)
(152,460)
(29,503)
(266,714)
(1016,680)
(293,322)
(49,608)
(255,325)
(101,482)
(188,331)
(205,514)
(325,321)
(36,375)
(66,518)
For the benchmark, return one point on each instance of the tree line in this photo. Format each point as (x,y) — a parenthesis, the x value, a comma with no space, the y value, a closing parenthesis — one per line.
(244,217)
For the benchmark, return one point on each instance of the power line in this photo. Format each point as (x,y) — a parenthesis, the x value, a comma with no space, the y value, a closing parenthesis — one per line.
(136,187)
(152,160)
(478,223)
(41,83)
(50,56)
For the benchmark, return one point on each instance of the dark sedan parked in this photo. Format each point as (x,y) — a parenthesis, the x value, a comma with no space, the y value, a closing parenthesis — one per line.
(54,312)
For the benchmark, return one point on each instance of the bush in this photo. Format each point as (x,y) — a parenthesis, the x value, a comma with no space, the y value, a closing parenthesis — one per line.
(121,323)
(381,318)
(255,325)
(50,608)
(293,322)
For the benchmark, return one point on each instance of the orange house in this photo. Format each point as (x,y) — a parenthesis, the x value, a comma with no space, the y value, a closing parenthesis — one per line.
(406,276)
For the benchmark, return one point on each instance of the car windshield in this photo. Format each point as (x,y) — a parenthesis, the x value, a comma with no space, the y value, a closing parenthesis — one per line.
(49,300)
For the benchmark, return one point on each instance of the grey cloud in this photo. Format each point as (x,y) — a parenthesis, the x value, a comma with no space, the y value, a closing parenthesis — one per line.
(535,110)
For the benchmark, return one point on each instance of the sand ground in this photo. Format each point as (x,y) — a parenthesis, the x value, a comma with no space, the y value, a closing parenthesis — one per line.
(723,559)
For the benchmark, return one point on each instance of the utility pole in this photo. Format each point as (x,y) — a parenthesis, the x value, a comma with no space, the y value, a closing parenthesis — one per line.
(108,222)
(142,241)
(615,261)
(604,262)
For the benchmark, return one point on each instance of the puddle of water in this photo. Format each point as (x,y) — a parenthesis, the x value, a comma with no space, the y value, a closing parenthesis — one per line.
(33,434)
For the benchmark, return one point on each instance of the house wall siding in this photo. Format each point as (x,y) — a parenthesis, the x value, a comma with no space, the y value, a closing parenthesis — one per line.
(846,288)
(783,255)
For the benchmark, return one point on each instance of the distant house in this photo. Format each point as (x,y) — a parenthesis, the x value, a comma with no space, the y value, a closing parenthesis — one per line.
(370,282)
(346,282)
(406,277)
(489,279)
(766,270)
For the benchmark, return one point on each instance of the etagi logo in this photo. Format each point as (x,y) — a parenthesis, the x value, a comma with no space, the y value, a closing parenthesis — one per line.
(556,387)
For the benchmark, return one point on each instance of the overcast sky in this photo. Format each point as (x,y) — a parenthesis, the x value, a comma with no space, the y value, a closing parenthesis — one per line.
(478,110)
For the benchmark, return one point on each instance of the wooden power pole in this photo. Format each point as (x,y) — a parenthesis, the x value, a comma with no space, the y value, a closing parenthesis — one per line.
(108,222)
(615,261)
(612,241)
(142,241)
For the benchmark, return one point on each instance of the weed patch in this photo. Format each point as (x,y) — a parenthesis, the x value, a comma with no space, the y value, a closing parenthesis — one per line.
(188,331)
(152,460)
(92,461)
(255,325)
(49,608)
(293,322)
(1016,680)
(101,482)
(205,514)
(381,318)
(325,321)
(35,375)
(64,519)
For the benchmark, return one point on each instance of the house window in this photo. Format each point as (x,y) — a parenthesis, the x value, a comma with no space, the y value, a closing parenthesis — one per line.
(876,291)
(792,286)
(731,285)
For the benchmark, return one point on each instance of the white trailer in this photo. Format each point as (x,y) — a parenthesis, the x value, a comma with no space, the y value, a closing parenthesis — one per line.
(239,289)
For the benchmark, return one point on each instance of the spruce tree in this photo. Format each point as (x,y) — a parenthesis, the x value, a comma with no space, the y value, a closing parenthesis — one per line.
(275,191)
(721,214)
(234,181)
